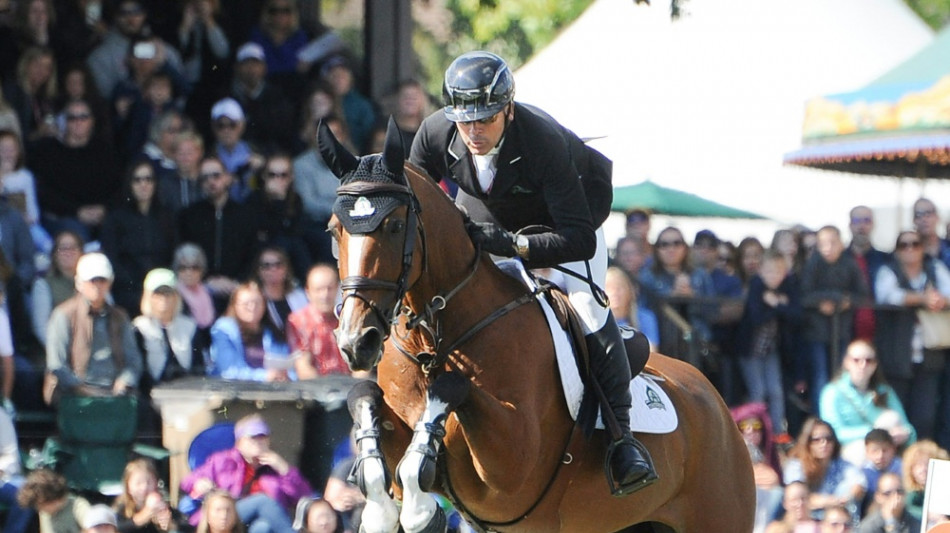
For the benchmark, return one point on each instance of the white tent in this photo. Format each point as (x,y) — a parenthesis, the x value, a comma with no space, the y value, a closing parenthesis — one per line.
(709,103)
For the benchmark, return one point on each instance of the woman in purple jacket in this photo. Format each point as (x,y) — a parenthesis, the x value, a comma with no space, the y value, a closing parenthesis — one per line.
(264,484)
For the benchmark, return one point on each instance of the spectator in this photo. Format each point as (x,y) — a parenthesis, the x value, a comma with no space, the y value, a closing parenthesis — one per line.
(159,149)
(79,85)
(99,519)
(18,518)
(926,222)
(727,259)
(284,224)
(281,294)
(108,362)
(8,116)
(17,243)
(142,507)
(198,301)
(316,515)
(280,35)
(318,104)
(910,281)
(243,345)
(858,400)
(32,94)
(220,514)
(638,228)
(137,235)
(753,422)
(915,466)
(797,518)
(268,111)
(76,176)
(832,284)
(107,62)
(59,284)
(225,230)
(880,457)
(316,187)
(358,111)
(310,330)
(750,252)
(60,511)
(183,188)
(345,497)
(767,335)
(276,485)
(785,242)
(412,105)
(816,460)
(239,158)
(837,518)
(169,341)
(7,368)
(726,313)
(205,51)
(631,256)
(889,514)
(622,294)
(80,24)
(19,187)
(671,275)
(869,260)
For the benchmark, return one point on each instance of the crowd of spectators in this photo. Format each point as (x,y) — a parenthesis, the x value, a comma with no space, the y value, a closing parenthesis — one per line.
(820,349)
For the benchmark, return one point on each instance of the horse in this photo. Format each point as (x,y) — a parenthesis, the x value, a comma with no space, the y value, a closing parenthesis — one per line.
(468,399)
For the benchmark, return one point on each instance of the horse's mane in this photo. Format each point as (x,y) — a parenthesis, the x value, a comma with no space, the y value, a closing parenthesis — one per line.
(424,186)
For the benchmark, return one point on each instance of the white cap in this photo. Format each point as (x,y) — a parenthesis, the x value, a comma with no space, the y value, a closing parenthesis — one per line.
(228,108)
(250,51)
(93,265)
(99,515)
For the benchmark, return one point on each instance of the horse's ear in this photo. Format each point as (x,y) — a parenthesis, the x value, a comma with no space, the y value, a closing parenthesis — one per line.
(394,153)
(338,159)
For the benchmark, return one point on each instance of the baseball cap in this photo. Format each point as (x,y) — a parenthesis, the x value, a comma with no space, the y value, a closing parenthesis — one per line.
(158,278)
(706,236)
(93,265)
(250,51)
(99,515)
(251,427)
(227,108)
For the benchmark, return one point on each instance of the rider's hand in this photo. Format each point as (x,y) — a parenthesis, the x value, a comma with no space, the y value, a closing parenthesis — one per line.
(492,238)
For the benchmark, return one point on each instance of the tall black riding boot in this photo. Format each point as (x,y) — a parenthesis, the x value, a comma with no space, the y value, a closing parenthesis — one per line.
(629,465)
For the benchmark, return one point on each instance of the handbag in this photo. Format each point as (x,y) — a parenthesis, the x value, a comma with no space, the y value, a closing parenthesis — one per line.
(934,328)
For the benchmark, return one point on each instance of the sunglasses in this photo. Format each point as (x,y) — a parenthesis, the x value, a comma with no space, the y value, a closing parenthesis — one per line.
(669,244)
(272,174)
(861,220)
(144,178)
(864,360)
(924,213)
(267,265)
(78,116)
(755,425)
(225,125)
(211,175)
(821,438)
(482,121)
(889,493)
(906,245)
(189,267)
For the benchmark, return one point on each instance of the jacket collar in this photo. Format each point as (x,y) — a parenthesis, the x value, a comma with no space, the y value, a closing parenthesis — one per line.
(463,170)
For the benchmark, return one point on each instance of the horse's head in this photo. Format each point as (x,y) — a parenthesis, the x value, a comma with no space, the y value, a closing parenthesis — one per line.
(374,226)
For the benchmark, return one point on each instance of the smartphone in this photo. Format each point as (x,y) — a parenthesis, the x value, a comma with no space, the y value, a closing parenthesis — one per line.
(144,50)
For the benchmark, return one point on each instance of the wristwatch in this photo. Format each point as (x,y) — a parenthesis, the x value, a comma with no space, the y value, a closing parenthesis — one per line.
(521,247)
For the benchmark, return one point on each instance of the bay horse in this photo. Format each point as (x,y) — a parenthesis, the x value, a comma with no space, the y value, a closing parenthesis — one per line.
(469,400)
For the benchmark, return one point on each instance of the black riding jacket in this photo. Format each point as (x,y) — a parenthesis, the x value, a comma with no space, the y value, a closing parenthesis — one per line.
(537,182)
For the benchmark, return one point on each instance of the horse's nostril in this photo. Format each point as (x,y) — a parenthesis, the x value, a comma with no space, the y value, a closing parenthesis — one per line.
(370,340)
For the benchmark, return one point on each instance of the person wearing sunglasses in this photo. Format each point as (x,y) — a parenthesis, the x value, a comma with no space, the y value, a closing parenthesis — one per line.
(911,280)
(516,167)
(890,514)
(926,220)
(753,422)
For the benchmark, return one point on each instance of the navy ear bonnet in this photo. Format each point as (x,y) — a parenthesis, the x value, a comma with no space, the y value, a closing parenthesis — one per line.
(365,212)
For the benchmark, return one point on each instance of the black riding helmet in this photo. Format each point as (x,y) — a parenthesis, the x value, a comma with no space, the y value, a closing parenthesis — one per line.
(477,85)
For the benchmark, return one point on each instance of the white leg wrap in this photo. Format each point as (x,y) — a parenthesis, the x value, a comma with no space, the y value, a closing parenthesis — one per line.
(380,515)
(418,507)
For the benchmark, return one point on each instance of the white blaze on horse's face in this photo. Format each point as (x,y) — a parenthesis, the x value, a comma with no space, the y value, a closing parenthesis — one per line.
(354,260)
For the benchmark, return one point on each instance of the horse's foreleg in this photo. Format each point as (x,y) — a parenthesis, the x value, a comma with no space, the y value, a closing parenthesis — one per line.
(380,515)
(416,472)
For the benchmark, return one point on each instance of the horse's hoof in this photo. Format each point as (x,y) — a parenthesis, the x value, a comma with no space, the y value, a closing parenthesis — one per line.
(451,388)
(367,391)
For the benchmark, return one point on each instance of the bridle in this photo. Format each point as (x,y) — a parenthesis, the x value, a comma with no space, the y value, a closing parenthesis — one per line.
(352,285)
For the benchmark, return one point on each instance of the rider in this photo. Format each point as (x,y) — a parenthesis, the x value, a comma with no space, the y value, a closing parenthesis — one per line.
(515,167)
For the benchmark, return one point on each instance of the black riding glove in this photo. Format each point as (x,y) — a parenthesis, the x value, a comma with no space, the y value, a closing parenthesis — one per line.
(492,238)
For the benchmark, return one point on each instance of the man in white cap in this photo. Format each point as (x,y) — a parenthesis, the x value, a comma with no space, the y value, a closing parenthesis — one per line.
(100,519)
(90,348)
(228,123)
(268,110)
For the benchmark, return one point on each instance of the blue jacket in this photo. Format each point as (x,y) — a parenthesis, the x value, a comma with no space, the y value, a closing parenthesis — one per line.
(852,413)
(227,351)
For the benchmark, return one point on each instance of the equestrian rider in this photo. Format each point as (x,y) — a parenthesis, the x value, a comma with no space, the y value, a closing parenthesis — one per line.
(515,167)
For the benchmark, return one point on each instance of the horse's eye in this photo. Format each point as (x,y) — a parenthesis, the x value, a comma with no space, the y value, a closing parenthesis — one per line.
(397,226)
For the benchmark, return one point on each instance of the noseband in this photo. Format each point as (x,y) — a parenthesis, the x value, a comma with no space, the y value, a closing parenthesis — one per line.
(352,285)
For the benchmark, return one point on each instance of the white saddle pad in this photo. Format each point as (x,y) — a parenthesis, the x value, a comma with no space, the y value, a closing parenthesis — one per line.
(652,411)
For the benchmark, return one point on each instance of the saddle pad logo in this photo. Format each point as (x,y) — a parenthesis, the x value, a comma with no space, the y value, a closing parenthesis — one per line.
(362,208)
(653,400)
